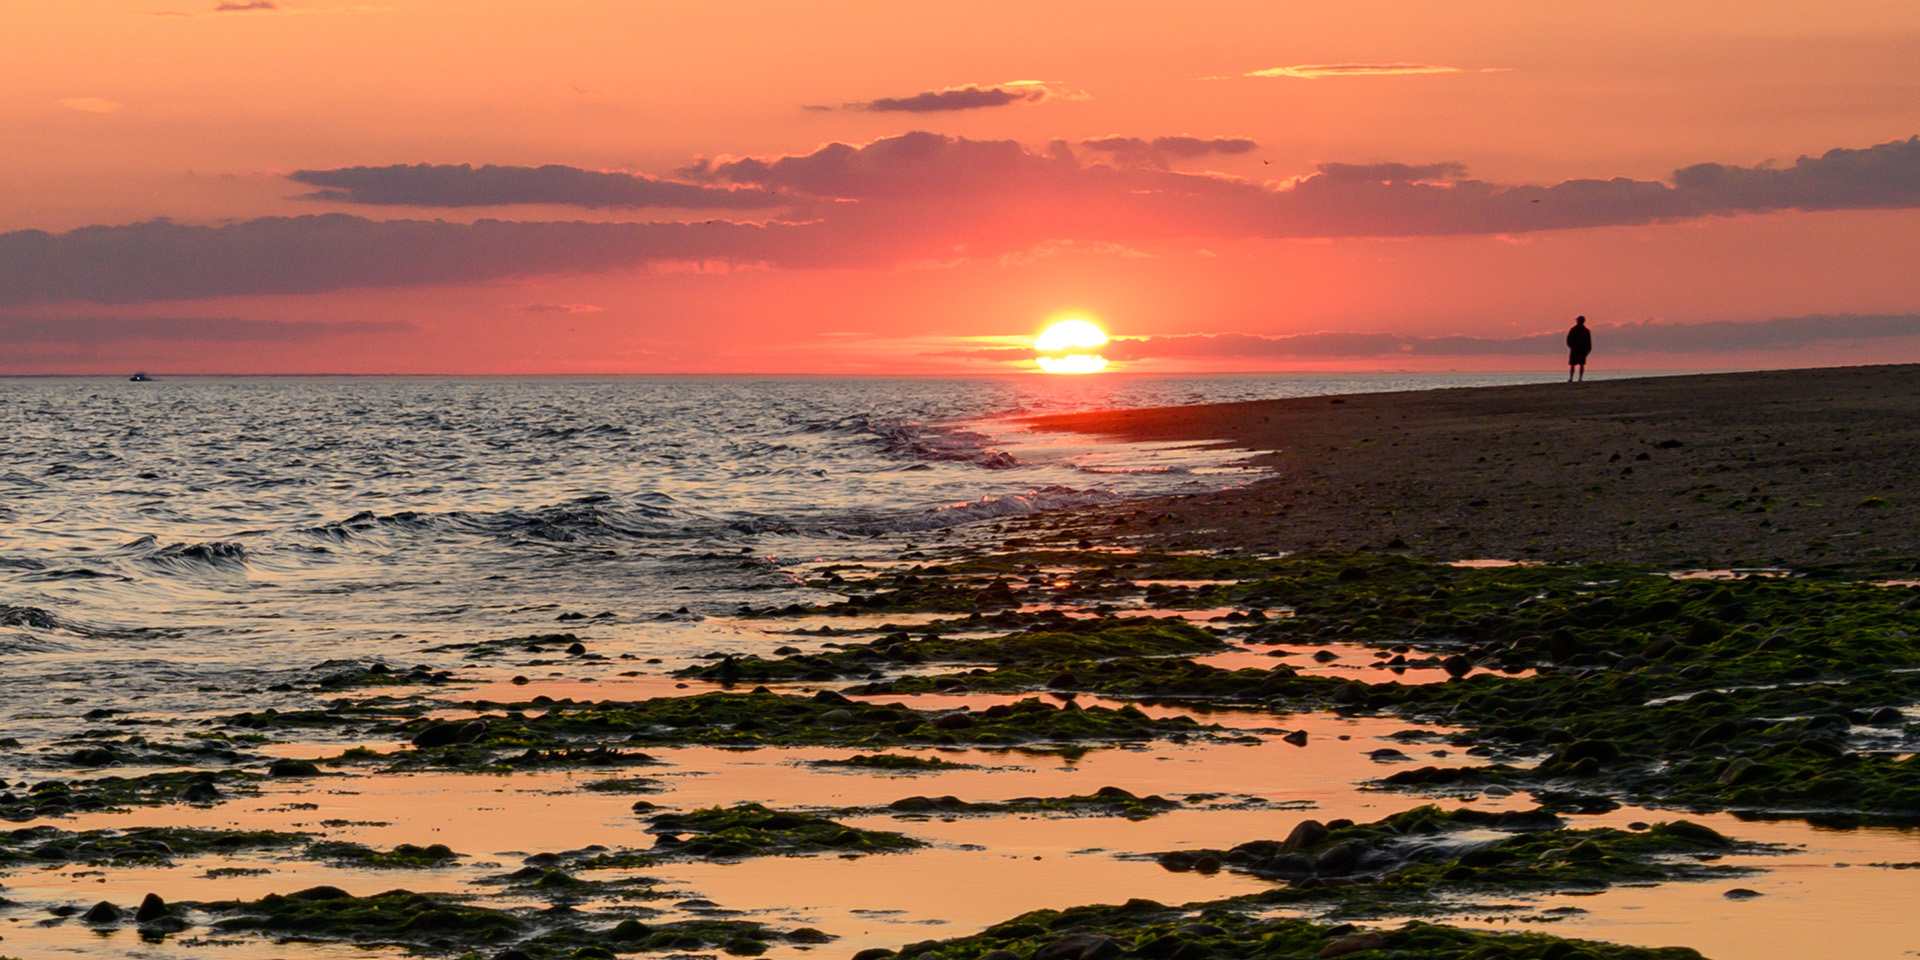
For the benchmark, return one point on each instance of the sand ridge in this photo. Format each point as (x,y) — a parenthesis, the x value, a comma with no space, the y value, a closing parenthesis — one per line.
(1773,468)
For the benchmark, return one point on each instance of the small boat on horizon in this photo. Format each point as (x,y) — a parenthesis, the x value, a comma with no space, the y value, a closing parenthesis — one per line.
(140,378)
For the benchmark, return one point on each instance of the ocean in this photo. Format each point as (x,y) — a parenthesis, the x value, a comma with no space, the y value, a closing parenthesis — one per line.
(188,549)
(162,541)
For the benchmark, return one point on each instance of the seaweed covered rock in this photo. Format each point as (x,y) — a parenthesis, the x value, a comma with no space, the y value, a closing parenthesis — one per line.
(753,830)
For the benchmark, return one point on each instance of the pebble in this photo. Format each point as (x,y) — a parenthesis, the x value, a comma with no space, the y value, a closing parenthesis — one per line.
(1353,943)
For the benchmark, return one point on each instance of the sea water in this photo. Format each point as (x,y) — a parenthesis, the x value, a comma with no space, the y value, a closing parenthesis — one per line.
(163,537)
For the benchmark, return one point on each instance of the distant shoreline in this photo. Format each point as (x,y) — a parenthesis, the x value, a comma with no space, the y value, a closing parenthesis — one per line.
(1771,468)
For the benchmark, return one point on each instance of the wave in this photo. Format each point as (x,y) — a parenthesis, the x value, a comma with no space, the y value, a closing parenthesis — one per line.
(990,508)
(1170,470)
(917,441)
(213,554)
(33,617)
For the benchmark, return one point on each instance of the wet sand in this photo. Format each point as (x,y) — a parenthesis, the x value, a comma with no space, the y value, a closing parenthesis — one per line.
(1776,468)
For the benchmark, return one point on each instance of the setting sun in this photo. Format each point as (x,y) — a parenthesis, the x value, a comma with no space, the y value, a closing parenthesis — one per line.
(1071,335)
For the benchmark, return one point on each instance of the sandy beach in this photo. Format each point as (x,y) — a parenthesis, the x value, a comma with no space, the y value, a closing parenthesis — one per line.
(1776,468)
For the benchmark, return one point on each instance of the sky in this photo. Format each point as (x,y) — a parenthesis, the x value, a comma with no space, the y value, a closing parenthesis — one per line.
(476,187)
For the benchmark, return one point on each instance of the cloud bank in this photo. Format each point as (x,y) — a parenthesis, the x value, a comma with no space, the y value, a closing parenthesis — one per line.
(1163,151)
(19,331)
(1650,336)
(918,197)
(463,185)
(957,98)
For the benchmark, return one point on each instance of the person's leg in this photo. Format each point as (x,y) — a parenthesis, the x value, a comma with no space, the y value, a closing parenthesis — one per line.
(1569,373)
(1583,373)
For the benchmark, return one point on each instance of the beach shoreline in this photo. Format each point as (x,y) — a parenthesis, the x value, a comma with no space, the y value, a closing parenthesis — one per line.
(1765,469)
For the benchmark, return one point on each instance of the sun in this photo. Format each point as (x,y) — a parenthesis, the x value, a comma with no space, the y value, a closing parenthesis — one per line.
(1071,342)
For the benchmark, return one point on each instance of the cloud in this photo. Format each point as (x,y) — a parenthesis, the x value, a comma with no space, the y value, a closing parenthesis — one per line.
(969,97)
(463,185)
(1715,336)
(19,331)
(560,308)
(1649,336)
(90,104)
(1316,71)
(229,6)
(1162,151)
(918,198)
(1394,172)
(164,260)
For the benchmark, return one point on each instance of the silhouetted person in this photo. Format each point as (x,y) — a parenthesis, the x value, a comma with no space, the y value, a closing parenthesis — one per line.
(1579,344)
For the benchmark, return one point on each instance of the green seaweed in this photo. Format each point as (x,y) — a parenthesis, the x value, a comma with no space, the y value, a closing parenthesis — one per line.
(1062,639)
(895,763)
(1143,928)
(513,737)
(406,856)
(59,798)
(51,846)
(753,830)
(1104,802)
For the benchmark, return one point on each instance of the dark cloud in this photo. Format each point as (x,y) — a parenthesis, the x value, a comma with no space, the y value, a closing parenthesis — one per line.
(919,197)
(1712,337)
(1162,151)
(958,98)
(229,6)
(559,308)
(163,260)
(20,331)
(1715,336)
(463,185)
(1887,175)
(1393,172)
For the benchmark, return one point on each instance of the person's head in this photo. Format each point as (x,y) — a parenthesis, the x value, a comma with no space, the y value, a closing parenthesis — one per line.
(1579,321)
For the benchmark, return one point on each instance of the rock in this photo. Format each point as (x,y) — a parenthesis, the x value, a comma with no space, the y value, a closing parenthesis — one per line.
(152,908)
(292,768)
(1304,835)
(199,791)
(1208,864)
(1457,666)
(1723,730)
(1352,943)
(322,892)
(1886,716)
(438,735)
(837,716)
(952,721)
(161,926)
(808,935)
(1338,859)
(577,649)
(1062,681)
(1603,751)
(1081,946)
(828,696)
(873,953)
(104,912)
(1742,893)
(1298,738)
(1385,755)
(1735,770)
(1562,647)
(1688,830)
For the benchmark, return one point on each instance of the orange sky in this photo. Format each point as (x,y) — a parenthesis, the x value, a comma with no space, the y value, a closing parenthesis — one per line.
(900,240)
